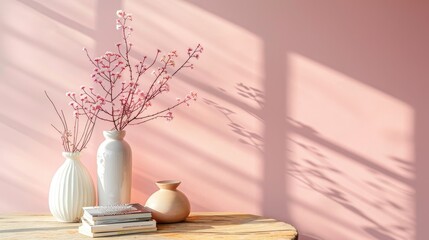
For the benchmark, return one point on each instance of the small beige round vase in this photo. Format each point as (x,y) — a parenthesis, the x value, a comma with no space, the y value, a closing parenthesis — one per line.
(168,204)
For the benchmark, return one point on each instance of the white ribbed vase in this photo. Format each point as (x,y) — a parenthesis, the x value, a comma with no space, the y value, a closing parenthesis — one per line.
(114,169)
(71,189)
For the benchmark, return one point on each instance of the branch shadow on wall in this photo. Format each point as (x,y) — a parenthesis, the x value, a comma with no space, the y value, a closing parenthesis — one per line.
(320,173)
(315,173)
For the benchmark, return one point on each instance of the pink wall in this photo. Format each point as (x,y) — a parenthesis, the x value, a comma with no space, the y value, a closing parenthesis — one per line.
(310,112)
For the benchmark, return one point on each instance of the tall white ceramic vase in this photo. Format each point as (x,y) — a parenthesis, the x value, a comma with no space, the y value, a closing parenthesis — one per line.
(114,169)
(71,189)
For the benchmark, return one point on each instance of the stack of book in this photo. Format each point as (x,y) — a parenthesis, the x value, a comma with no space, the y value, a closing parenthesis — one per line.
(102,221)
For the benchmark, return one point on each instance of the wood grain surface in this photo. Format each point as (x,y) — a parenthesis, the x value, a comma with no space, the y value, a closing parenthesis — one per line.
(197,226)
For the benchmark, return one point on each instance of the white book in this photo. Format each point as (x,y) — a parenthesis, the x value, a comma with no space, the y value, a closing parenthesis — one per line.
(133,210)
(84,231)
(112,221)
(118,226)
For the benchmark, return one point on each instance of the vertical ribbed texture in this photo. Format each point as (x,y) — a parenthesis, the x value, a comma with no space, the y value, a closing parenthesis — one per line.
(71,189)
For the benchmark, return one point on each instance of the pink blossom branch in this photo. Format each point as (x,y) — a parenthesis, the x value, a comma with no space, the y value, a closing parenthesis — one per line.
(127,50)
(126,104)
(156,115)
(78,140)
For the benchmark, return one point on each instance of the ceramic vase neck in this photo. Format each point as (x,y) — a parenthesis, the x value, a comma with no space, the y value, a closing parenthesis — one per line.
(114,135)
(168,184)
(71,155)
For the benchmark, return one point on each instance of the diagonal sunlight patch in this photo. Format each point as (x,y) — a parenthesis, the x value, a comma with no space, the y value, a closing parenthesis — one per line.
(71,14)
(207,144)
(40,49)
(351,149)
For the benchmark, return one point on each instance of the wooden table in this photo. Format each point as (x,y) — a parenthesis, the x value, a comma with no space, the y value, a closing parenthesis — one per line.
(197,226)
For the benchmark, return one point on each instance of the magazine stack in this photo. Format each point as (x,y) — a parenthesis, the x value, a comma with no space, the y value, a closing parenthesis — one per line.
(102,221)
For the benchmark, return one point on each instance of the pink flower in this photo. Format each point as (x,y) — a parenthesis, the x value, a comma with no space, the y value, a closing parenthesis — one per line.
(96,107)
(127,100)
(169,116)
(172,63)
(68,94)
(82,87)
(120,13)
(165,87)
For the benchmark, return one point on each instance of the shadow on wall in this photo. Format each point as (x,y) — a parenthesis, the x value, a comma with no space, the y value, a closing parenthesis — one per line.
(321,174)
(334,34)
(42,9)
(36,57)
(311,177)
(272,110)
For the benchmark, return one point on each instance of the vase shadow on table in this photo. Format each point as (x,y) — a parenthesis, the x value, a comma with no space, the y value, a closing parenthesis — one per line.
(227,225)
(198,223)
(36,229)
